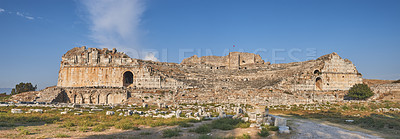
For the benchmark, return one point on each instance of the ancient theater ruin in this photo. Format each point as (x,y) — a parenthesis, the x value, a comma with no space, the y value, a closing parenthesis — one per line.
(102,76)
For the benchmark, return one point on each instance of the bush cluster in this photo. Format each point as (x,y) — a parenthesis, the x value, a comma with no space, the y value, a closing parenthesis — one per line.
(360,92)
(171,133)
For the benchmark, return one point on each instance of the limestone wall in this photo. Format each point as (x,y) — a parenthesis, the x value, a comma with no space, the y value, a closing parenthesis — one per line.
(83,71)
(234,60)
(92,67)
(91,76)
(96,96)
(389,91)
(327,73)
(339,74)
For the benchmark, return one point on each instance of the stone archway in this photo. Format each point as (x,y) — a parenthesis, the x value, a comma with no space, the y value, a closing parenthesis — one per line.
(98,99)
(318,83)
(78,98)
(83,99)
(128,78)
(316,72)
(75,98)
(90,99)
(107,98)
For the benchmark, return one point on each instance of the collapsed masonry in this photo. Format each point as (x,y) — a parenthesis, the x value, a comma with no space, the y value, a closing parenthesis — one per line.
(102,76)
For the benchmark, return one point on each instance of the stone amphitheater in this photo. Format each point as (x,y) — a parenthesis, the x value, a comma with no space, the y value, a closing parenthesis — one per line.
(102,76)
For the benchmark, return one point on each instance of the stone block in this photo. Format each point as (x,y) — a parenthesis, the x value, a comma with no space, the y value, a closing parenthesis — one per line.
(110,113)
(284,130)
(16,111)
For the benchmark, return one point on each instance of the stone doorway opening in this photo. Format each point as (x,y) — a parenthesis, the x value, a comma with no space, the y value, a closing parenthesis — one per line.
(318,83)
(75,98)
(316,72)
(128,78)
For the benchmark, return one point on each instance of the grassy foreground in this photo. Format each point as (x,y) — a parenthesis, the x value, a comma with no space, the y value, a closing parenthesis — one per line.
(87,122)
(53,124)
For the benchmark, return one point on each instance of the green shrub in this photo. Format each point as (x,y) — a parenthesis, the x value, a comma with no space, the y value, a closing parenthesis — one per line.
(6,125)
(194,120)
(204,136)
(171,133)
(273,128)
(68,124)
(263,133)
(245,136)
(360,92)
(145,133)
(225,123)
(71,128)
(23,87)
(62,136)
(244,125)
(19,128)
(99,128)
(87,123)
(398,81)
(183,124)
(203,129)
(84,129)
(24,132)
(126,126)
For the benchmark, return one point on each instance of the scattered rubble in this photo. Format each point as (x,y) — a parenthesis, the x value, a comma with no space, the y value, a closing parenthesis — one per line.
(16,111)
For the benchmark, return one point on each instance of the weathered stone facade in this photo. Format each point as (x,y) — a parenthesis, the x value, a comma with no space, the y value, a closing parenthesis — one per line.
(102,76)
(390,91)
(234,60)
(92,67)
(330,72)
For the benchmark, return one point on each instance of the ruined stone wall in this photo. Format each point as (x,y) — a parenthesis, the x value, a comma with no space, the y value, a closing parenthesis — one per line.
(329,72)
(390,91)
(102,76)
(253,97)
(235,60)
(96,96)
(92,67)
(339,74)
(87,76)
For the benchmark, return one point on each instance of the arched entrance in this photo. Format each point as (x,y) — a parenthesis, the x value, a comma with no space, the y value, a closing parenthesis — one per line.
(316,71)
(318,83)
(98,99)
(128,78)
(75,98)
(107,98)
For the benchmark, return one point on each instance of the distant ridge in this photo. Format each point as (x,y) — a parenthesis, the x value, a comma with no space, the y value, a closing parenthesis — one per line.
(6,90)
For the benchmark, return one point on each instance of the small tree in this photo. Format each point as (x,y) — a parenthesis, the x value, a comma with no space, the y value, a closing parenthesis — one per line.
(23,87)
(360,92)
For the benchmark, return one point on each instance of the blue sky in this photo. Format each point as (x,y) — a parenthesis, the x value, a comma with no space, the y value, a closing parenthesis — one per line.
(35,34)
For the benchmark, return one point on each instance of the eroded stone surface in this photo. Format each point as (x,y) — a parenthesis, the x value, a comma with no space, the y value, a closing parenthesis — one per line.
(102,76)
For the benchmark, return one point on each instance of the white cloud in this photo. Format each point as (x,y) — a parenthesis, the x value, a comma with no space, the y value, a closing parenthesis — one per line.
(150,56)
(115,23)
(20,14)
(25,16)
(29,17)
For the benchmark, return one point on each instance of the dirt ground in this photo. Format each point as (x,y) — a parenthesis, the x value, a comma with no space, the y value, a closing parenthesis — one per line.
(305,129)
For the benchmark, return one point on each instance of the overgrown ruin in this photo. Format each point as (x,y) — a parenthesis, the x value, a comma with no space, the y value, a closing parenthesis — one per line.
(102,76)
